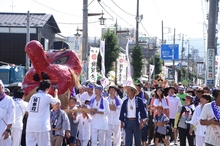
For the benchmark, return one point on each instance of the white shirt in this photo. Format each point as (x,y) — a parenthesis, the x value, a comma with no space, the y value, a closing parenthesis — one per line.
(163,103)
(113,116)
(7,113)
(212,135)
(20,109)
(84,127)
(174,104)
(86,96)
(131,108)
(39,112)
(100,121)
(200,130)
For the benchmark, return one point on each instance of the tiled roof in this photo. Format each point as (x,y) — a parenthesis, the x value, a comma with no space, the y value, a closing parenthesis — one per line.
(20,20)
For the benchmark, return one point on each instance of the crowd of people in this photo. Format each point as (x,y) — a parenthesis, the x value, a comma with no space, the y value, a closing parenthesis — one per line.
(137,114)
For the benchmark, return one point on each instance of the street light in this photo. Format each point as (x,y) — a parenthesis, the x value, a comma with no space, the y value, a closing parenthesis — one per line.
(102,19)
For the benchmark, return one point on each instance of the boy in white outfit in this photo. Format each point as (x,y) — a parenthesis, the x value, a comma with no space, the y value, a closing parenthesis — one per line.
(99,111)
(113,120)
(38,122)
(20,109)
(7,116)
(84,127)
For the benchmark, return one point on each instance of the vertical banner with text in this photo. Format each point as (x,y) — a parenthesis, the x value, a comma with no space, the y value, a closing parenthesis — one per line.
(93,64)
(128,61)
(151,69)
(104,81)
(121,68)
(210,76)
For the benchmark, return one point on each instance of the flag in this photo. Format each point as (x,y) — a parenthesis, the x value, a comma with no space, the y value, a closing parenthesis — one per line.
(121,68)
(128,63)
(93,64)
(151,69)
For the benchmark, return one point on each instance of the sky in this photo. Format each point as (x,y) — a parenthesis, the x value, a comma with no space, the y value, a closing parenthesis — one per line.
(186,16)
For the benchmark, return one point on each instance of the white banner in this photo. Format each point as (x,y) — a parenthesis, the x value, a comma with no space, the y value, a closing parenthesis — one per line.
(76,44)
(165,72)
(104,81)
(121,69)
(151,69)
(128,62)
(93,64)
(102,53)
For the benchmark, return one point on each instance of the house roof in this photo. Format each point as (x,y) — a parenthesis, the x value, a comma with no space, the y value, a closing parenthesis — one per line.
(20,20)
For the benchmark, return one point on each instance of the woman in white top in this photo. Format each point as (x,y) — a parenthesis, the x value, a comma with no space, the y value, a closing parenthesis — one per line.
(160,100)
(195,121)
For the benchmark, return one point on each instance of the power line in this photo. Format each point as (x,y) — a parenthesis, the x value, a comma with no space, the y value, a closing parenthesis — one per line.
(55,9)
(118,15)
(156,9)
(106,11)
(145,30)
(122,9)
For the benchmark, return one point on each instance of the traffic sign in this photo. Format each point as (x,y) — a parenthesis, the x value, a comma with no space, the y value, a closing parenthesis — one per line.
(179,65)
(170,52)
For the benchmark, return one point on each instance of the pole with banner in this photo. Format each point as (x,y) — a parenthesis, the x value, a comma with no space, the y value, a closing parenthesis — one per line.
(104,81)
(120,68)
(128,61)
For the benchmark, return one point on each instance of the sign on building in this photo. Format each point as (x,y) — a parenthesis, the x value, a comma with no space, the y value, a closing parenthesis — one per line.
(210,76)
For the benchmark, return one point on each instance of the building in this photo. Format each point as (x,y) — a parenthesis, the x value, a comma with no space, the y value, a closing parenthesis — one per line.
(13,32)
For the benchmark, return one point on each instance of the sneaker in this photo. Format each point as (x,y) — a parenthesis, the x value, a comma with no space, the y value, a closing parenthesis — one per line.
(175,143)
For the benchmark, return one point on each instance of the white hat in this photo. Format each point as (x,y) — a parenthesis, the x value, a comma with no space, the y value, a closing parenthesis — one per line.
(1,83)
(130,84)
(57,101)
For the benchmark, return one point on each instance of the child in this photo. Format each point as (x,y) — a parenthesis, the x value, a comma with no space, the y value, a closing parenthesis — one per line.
(84,120)
(160,121)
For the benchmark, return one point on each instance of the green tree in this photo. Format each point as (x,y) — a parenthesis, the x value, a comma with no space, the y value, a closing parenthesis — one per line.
(137,61)
(111,50)
(158,64)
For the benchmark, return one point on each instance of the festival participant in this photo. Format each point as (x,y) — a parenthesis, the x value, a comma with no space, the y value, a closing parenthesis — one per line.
(99,109)
(210,117)
(182,120)
(132,115)
(195,121)
(38,113)
(160,120)
(84,120)
(160,100)
(115,104)
(199,93)
(181,94)
(174,105)
(81,90)
(7,117)
(73,125)
(60,125)
(89,94)
(20,110)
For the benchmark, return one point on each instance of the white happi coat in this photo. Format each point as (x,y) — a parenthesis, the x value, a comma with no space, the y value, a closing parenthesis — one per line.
(84,127)
(7,113)
(113,116)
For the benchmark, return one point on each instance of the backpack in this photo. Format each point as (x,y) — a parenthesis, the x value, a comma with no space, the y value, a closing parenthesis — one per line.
(181,112)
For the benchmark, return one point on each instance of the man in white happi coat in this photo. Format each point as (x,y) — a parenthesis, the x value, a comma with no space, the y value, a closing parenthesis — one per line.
(20,110)
(38,122)
(113,117)
(99,111)
(89,94)
(7,117)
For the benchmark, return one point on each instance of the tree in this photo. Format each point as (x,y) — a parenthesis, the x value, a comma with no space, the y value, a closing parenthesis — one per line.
(158,64)
(111,50)
(137,61)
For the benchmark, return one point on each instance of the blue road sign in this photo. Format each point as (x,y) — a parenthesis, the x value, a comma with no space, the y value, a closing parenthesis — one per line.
(210,82)
(167,52)
(179,65)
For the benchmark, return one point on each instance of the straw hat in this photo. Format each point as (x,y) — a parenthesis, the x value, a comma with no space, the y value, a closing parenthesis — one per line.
(130,84)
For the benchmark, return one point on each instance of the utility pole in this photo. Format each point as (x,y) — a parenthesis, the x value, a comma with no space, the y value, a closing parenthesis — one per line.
(137,22)
(173,68)
(211,50)
(188,61)
(162,37)
(182,50)
(85,39)
(28,40)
